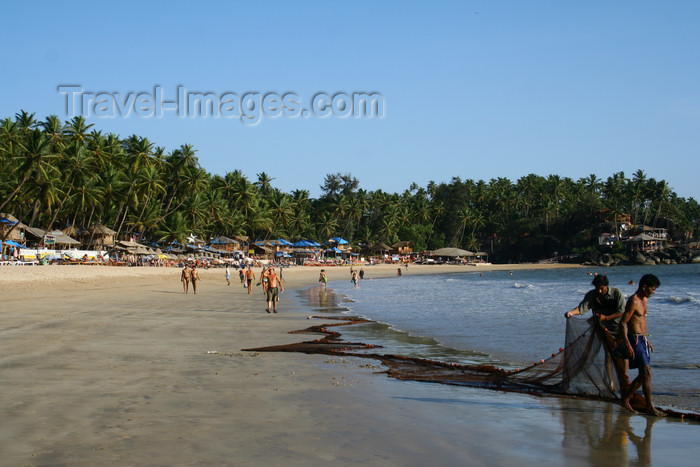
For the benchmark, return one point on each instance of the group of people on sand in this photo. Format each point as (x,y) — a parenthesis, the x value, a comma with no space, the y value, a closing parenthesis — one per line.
(190,274)
(355,276)
(271,282)
(625,337)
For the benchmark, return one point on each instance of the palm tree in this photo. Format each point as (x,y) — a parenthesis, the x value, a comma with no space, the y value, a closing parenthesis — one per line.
(174,229)
(34,159)
(25,121)
(282,212)
(148,185)
(472,243)
(264,183)
(46,192)
(77,130)
(77,161)
(138,153)
(55,131)
(326,225)
(9,140)
(86,197)
(663,191)
(637,192)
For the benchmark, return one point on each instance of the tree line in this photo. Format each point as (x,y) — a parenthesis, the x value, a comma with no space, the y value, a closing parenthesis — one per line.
(56,174)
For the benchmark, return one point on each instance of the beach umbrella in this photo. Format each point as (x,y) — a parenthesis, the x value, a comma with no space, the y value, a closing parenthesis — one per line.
(141,250)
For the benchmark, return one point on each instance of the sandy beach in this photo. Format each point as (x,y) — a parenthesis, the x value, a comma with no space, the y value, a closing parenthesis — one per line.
(116,366)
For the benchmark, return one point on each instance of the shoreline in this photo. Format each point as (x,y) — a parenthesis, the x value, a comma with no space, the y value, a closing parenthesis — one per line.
(71,276)
(129,370)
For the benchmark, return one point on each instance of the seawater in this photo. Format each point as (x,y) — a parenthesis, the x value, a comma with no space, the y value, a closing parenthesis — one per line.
(515,318)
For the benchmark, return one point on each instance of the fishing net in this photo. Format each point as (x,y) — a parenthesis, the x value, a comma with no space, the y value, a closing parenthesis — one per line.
(583,368)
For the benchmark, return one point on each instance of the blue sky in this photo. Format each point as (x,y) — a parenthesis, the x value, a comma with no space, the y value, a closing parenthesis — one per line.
(473,89)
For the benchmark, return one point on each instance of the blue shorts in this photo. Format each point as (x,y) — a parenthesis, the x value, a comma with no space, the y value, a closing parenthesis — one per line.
(642,355)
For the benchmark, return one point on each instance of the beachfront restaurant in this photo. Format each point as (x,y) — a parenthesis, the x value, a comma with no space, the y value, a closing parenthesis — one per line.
(644,242)
(305,252)
(39,238)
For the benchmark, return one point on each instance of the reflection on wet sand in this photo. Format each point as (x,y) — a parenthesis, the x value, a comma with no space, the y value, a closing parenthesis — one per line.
(607,434)
(321,299)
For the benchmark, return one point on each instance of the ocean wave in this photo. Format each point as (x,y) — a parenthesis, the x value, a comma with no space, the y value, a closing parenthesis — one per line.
(680,300)
(520,285)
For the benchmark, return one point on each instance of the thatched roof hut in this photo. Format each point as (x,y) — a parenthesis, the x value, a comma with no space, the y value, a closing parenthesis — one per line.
(102,236)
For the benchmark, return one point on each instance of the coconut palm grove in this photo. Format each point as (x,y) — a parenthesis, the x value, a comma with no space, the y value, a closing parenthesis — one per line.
(59,174)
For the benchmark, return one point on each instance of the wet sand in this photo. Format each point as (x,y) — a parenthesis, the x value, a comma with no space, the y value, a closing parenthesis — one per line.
(116,366)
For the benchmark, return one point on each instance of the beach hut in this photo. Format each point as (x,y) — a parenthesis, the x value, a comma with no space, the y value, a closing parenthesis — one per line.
(402,248)
(264,249)
(99,237)
(242,241)
(339,243)
(11,228)
(378,248)
(225,244)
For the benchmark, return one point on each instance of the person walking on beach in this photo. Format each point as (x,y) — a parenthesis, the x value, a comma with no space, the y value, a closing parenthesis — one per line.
(398,272)
(322,277)
(241,275)
(634,330)
(274,287)
(354,278)
(362,273)
(185,278)
(608,304)
(194,275)
(228,275)
(249,276)
(263,279)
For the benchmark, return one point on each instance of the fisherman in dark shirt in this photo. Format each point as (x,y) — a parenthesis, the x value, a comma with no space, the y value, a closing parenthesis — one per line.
(608,305)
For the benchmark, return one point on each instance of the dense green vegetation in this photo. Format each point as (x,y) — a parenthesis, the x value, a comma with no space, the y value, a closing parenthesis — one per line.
(56,174)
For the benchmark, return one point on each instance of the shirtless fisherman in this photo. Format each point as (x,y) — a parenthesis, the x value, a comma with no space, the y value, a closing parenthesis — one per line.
(634,331)
(274,287)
